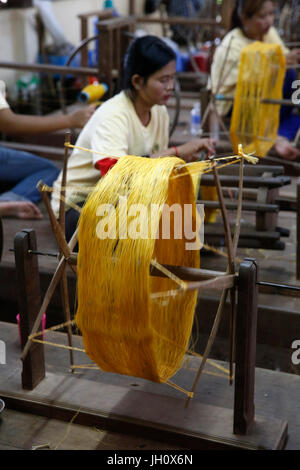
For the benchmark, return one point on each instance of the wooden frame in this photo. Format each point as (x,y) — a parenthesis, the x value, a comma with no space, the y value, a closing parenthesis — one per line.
(245,424)
(101,15)
(29,300)
(242,320)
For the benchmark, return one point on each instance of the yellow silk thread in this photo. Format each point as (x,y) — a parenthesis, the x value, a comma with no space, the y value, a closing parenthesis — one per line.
(254,124)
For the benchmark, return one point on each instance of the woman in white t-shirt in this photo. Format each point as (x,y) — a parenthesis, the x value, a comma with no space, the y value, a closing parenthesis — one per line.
(133,122)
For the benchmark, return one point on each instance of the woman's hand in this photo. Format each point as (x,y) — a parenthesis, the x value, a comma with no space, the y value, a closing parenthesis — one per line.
(293,57)
(286,150)
(20,210)
(79,118)
(188,151)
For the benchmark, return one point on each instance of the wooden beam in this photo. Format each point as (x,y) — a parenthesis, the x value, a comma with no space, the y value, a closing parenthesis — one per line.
(61,69)
(131,7)
(249,181)
(247,206)
(227,10)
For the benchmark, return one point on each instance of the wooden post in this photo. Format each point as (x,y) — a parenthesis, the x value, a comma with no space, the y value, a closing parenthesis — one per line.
(245,347)
(205,102)
(266,220)
(227,9)
(29,297)
(105,56)
(298,231)
(114,36)
(84,34)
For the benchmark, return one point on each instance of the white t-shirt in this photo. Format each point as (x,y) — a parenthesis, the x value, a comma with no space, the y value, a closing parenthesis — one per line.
(114,130)
(3,102)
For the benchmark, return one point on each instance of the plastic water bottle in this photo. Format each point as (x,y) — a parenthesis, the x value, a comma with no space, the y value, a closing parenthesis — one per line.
(195,119)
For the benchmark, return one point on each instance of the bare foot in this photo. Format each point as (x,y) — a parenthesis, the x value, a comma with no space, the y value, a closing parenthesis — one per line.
(20,210)
(286,150)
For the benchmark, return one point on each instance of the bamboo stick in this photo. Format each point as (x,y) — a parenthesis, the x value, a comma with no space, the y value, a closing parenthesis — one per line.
(50,291)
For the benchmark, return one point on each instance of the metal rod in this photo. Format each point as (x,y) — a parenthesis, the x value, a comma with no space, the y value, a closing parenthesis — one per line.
(285,102)
(278,286)
(41,253)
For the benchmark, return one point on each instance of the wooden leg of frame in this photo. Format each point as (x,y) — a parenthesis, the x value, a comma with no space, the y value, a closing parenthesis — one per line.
(245,347)
(29,297)
(298,231)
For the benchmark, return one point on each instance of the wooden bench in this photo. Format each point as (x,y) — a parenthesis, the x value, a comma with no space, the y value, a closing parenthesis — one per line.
(261,186)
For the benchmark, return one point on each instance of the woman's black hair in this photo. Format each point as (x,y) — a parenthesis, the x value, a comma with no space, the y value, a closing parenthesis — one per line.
(246,7)
(145,56)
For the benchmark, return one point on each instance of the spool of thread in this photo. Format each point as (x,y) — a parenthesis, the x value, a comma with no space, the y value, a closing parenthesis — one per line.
(93,92)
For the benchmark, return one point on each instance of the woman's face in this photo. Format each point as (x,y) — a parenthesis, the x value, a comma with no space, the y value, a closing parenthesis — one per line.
(259,24)
(159,86)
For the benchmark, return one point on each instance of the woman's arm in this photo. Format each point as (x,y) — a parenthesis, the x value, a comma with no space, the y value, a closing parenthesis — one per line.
(189,150)
(20,209)
(12,123)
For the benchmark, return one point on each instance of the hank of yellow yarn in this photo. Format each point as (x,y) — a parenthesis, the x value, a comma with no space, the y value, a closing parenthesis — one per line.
(261,74)
(126,329)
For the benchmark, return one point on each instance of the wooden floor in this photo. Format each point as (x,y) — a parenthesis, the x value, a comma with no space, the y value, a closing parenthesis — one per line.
(276,399)
(25,431)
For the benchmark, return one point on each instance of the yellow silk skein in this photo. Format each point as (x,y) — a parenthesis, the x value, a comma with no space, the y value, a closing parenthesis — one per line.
(128,323)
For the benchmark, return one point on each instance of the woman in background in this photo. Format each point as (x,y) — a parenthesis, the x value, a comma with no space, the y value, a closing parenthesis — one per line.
(253,20)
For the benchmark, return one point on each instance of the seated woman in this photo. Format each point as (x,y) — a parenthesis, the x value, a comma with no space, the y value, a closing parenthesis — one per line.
(22,170)
(252,20)
(133,122)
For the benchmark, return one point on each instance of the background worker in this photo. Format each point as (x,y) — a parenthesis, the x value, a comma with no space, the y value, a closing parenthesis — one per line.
(22,170)
(253,20)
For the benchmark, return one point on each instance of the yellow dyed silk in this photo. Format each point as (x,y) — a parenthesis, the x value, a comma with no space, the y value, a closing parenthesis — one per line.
(126,329)
(254,124)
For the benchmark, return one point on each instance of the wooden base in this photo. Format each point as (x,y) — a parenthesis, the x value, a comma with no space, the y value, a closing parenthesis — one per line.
(134,406)
(151,415)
